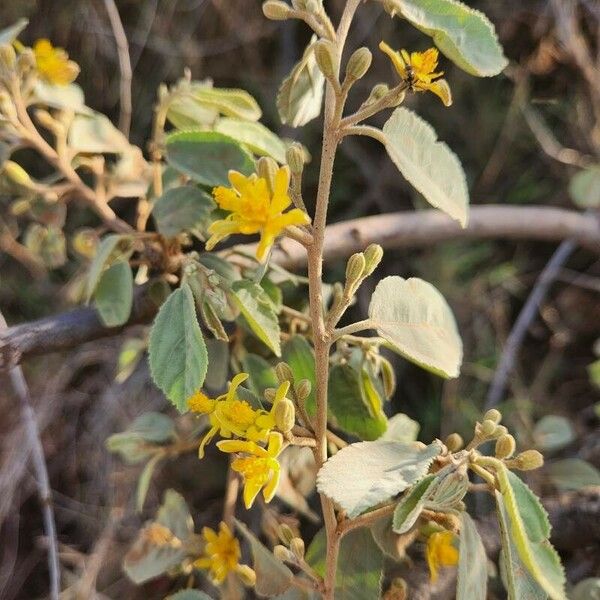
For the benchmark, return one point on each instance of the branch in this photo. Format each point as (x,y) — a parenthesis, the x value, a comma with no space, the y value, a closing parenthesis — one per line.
(394,230)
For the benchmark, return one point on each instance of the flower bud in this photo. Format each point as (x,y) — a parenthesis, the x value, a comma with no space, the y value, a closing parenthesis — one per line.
(354,269)
(283,554)
(378,92)
(373,255)
(358,64)
(499,431)
(505,446)
(246,574)
(285,415)
(17,174)
(285,533)
(266,168)
(303,389)
(269,394)
(327,61)
(295,159)
(276,10)
(283,372)
(493,415)
(528,460)
(454,442)
(487,428)
(297,548)
(388,377)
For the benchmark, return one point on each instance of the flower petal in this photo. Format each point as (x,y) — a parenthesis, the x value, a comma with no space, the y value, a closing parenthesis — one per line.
(397,60)
(442,90)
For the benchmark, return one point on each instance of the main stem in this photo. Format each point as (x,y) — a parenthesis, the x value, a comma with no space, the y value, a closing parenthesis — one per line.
(322,338)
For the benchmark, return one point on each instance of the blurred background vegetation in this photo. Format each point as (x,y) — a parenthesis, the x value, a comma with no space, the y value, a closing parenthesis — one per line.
(520,136)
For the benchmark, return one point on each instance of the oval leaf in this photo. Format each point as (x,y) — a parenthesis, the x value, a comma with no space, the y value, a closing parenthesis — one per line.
(584,187)
(465,35)
(230,102)
(378,471)
(255,136)
(207,156)
(114,295)
(418,323)
(427,164)
(180,209)
(177,352)
(472,562)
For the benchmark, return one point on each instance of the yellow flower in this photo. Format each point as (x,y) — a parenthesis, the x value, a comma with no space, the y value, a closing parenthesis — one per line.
(440,552)
(53,64)
(229,415)
(255,208)
(221,555)
(418,70)
(260,469)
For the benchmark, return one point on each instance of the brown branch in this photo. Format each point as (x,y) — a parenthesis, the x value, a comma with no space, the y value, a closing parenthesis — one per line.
(394,230)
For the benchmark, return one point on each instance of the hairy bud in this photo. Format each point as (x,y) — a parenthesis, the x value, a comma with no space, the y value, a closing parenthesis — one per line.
(388,377)
(303,389)
(285,415)
(499,431)
(358,64)
(285,533)
(355,269)
(295,158)
(297,548)
(267,168)
(246,574)
(505,446)
(454,442)
(487,428)
(378,92)
(373,255)
(528,460)
(283,372)
(493,415)
(325,54)
(283,554)
(276,10)
(269,394)
(17,174)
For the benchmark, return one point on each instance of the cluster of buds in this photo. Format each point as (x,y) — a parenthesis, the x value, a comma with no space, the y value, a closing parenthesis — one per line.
(285,411)
(292,547)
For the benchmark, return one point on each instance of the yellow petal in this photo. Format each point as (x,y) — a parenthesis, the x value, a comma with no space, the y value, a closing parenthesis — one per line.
(396,59)
(230,446)
(235,384)
(206,440)
(282,181)
(266,241)
(271,487)
(240,182)
(226,198)
(442,90)
(281,392)
(251,489)
(275,443)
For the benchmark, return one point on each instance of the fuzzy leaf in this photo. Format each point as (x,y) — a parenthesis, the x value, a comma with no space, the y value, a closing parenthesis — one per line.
(401,428)
(418,323)
(465,35)
(177,352)
(258,138)
(553,433)
(9,34)
(262,373)
(572,474)
(472,563)
(410,506)
(300,96)
(180,209)
(114,294)
(378,471)
(584,187)
(112,248)
(95,134)
(230,102)
(427,164)
(207,156)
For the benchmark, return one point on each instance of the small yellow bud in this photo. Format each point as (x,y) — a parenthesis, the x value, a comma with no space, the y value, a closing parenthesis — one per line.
(297,547)
(17,174)
(373,255)
(267,168)
(295,158)
(528,460)
(276,10)
(285,533)
(493,415)
(282,553)
(327,61)
(355,269)
(246,574)
(285,415)
(388,377)
(454,442)
(505,446)
(303,389)
(358,64)
(487,428)
(499,431)
(311,6)
(283,372)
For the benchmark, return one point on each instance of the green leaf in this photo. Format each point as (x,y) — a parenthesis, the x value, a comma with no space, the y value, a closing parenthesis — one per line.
(465,35)
(360,563)
(189,595)
(401,428)
(472,562)
(553,433)
(95,134)
(387,539)
(114,294)
(300,95)
(185,112)
(418,323)
(299,355)
(9,34)
(378,471)
(588,589)
(207,156)
(153,427)
(180,209)
(218,359)
(111,248)
(262,373)
(426,163)
(63,97)
(130,354)
(144,481)
(256,307)
(230,102)
(584,187)
(258,138)
(412,503)
(272,575)
(354,406)
(220,266)
(146,561)
(177,352)
(533,514)
(572,474)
